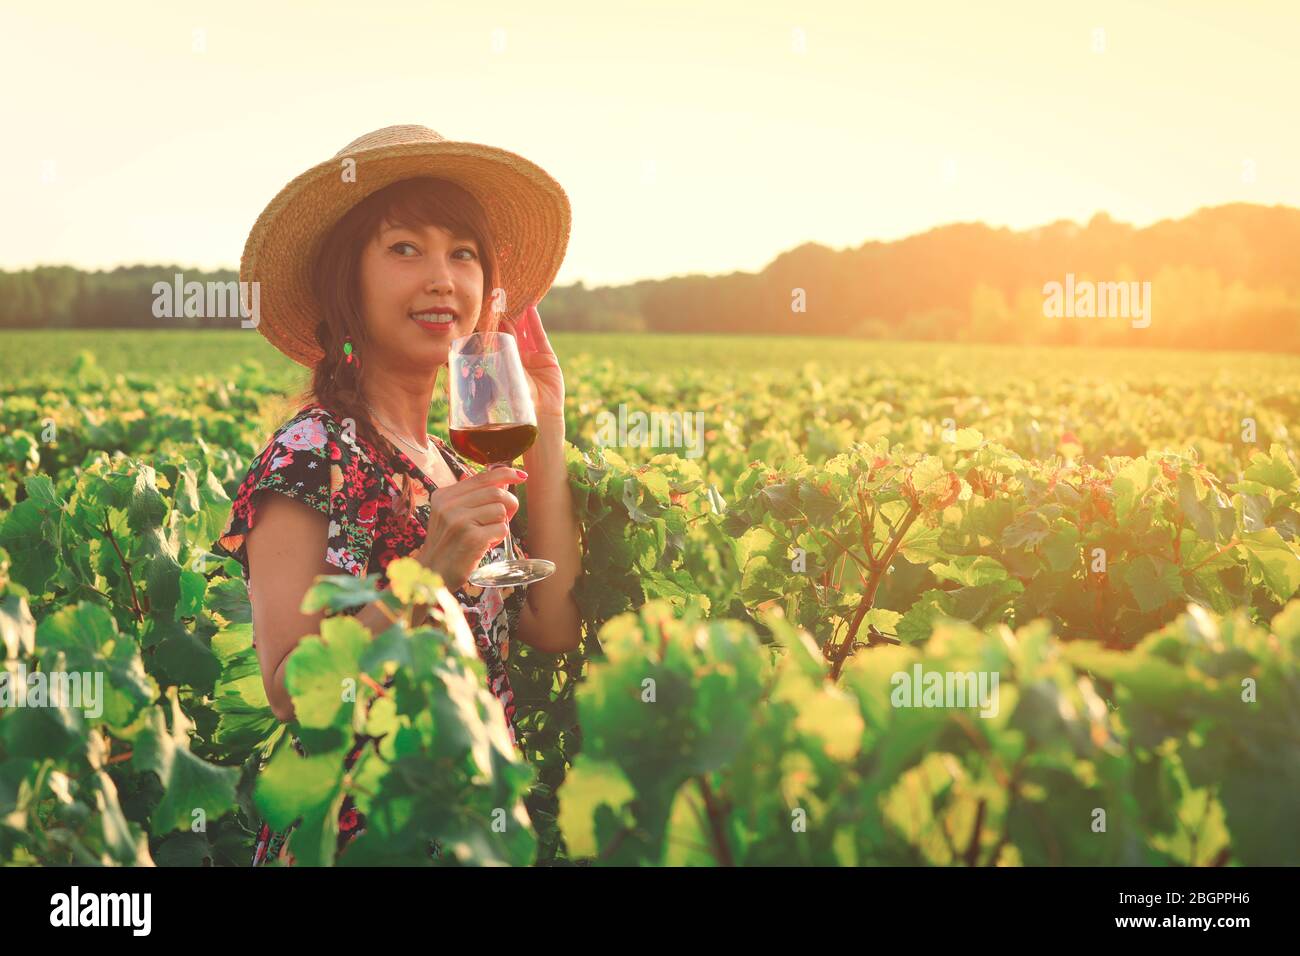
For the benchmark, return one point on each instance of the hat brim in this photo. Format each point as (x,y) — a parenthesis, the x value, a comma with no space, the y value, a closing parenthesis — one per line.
(527,210)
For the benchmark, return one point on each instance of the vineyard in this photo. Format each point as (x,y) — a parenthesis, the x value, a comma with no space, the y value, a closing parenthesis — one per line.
(898,605)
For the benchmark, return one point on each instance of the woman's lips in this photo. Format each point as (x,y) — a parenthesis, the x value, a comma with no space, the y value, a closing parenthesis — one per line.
(434,322)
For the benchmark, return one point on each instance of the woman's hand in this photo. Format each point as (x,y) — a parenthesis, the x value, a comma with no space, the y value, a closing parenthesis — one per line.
(541,365)
(465,519)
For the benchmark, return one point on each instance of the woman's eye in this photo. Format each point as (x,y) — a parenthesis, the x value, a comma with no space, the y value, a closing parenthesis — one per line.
(395,247)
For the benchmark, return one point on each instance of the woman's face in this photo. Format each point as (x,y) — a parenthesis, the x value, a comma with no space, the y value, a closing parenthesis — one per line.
(405,272)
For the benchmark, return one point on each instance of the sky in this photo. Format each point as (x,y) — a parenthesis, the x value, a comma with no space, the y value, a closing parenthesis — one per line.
(691,137)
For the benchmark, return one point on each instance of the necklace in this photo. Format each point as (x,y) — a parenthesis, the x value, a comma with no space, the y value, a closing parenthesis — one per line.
(426,451)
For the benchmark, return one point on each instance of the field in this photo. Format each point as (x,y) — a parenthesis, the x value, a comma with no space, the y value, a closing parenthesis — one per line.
(900,604)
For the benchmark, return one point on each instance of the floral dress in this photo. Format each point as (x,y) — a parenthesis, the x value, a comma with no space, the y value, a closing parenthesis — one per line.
(363,492)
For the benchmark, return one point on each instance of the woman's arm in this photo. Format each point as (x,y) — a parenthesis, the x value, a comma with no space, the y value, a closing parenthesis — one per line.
(550,621)
(284,558)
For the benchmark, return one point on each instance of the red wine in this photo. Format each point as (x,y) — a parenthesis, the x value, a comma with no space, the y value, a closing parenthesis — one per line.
(494,444)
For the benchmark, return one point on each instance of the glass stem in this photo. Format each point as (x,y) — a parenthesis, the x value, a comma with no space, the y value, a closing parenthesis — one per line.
(509,541)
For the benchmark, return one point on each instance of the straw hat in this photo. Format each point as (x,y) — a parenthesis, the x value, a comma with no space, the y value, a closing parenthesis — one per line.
(527,209)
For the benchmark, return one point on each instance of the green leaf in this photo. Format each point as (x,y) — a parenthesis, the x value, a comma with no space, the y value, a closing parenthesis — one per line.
(340,592)
(971,571)
(1156,682)
(832,718)
(307,791)
(31,533)
(39,733)
(819,507)
(1259,802)
(1062,548)
(1131,482)
(189,783)
(188,661)
(883,619)
(589,785)
(781,500)
(765,568)
(1197,513)
(656,484)
(163,582)
(147,508)
(1274,561)
(736,523)
(1027,531)
(193,588)
(184,849)
(87,636)
(322,674)
(642,512)
(40,489)
(1154,581)
(1273,470)
(229,598)
(17,627)
(919,621)
(921,545)
(927,473)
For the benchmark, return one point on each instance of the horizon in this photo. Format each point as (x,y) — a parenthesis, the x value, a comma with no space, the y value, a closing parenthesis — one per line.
(767,129)
(848,248)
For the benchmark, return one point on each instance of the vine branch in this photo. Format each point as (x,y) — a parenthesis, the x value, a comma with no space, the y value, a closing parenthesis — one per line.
(130,582)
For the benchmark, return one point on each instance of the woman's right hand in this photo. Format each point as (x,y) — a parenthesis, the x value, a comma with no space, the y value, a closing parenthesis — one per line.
(465,520)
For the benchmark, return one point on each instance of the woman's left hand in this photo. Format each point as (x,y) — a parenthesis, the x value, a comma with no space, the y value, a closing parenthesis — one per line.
(541,365)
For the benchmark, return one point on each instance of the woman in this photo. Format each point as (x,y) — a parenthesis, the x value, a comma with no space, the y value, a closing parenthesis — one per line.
(368,266)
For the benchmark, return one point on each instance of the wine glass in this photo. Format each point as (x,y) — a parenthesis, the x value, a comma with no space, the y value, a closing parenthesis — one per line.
(492,421)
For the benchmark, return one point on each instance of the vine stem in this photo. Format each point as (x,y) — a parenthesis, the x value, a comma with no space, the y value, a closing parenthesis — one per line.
(973,848)
(373,685)
(1227,547)
(715,815)
(878,569)
(615,843)
(105,596)
(999,771)
(130,582)
(848,549)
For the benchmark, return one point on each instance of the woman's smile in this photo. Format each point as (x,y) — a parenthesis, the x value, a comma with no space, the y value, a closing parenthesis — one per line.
(437,321)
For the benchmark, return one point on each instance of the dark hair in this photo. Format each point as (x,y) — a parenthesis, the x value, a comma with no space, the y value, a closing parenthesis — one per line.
(336,274)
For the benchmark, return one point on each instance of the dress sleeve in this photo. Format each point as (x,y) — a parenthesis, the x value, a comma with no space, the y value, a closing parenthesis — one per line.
(310,459)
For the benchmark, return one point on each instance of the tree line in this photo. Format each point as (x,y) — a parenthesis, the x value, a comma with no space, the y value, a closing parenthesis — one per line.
(1223,277)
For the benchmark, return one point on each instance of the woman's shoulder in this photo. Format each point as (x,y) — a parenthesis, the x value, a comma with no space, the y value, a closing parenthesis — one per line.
(317,428)
(314,457)
(315,454)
